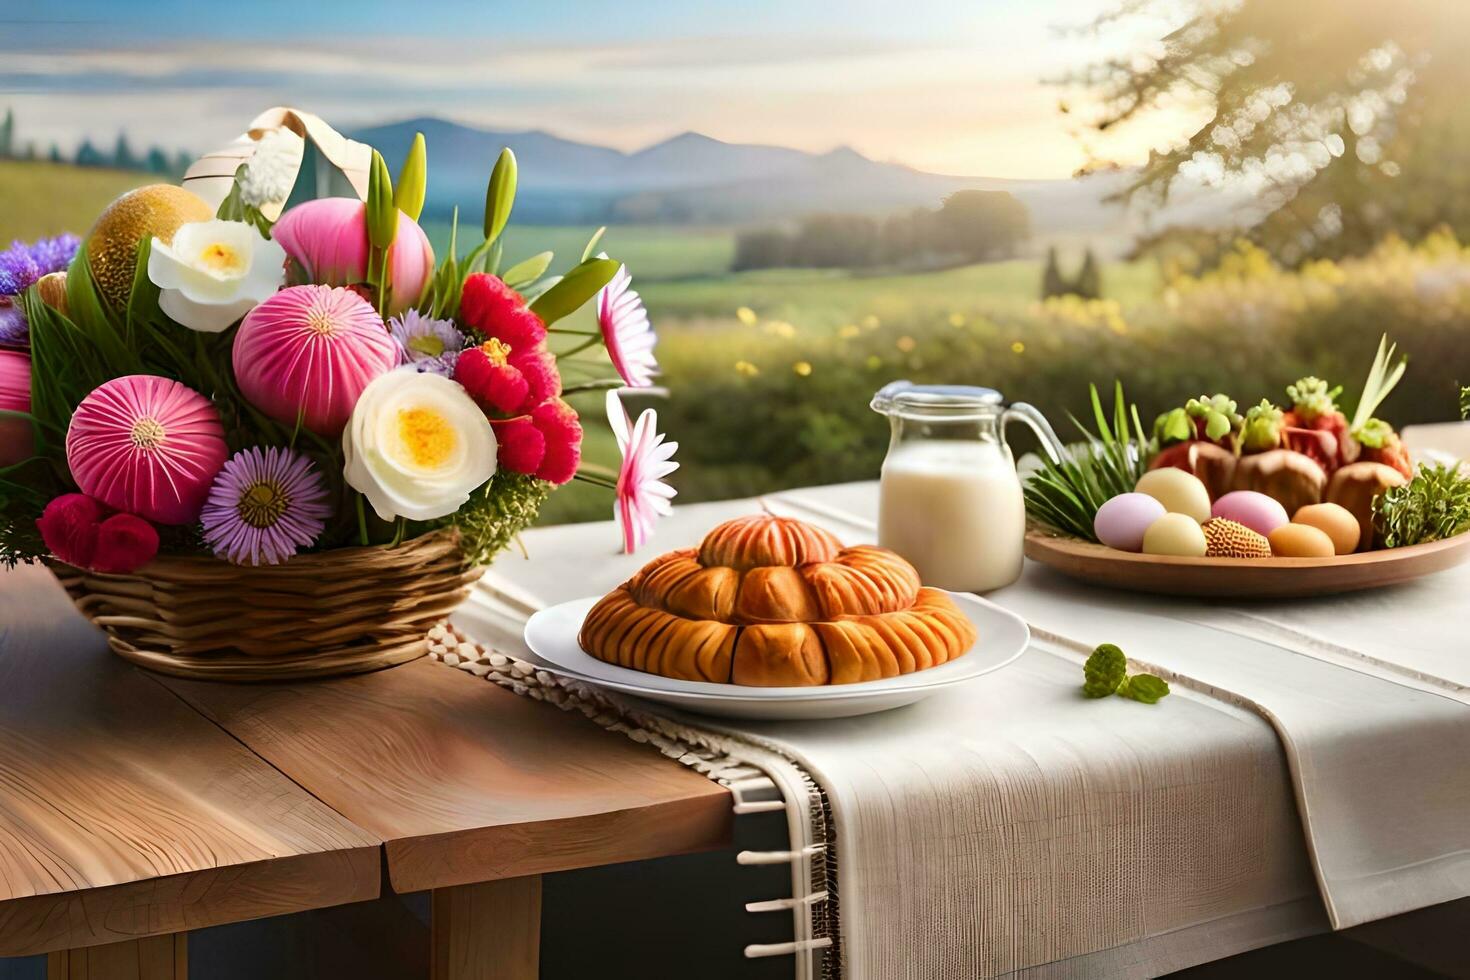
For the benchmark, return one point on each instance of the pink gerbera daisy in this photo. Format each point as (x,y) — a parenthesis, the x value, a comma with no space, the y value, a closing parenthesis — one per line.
(642,495)
(626,331)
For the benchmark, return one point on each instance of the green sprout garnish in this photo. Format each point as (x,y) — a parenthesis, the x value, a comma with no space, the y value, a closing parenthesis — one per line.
(1219,414)
(1311,398)
(1432,506)
(1104,671)
(1374,433)
(1262,427)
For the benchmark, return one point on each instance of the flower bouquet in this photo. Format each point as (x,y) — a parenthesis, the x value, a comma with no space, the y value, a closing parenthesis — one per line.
(260,434)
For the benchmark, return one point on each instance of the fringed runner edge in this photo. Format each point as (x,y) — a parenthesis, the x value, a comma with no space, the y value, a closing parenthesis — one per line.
(744,765)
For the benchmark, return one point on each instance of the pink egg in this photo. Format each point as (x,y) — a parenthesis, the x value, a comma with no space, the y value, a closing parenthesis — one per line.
(1256,511)
(148,446)
(1122,521)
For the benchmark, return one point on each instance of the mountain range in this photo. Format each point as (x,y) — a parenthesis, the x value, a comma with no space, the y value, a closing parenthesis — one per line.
(695,179)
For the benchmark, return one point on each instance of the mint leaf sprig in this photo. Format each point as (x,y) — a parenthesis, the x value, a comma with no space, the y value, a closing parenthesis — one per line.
(1106,673)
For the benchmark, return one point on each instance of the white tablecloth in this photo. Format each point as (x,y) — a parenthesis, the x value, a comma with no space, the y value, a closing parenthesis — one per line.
(1309,768)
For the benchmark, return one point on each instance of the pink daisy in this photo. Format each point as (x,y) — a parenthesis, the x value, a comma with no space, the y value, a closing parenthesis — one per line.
(626,331)
(642,495)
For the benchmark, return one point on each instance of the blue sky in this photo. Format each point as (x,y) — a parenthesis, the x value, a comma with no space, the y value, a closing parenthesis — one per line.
(946,86)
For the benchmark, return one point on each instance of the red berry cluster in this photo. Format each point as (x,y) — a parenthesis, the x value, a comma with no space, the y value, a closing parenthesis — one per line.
(514,378)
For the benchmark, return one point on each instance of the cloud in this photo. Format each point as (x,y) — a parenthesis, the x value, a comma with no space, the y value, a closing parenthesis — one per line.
(947,103)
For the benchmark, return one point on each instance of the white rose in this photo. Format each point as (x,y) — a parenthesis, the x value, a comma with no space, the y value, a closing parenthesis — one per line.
(417,445)
(214,272)
(270,173)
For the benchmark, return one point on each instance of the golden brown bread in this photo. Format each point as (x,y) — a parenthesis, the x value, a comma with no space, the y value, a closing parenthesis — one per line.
(772,602)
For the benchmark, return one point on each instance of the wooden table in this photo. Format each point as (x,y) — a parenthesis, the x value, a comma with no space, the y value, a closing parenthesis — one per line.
(128,810)
(127,819)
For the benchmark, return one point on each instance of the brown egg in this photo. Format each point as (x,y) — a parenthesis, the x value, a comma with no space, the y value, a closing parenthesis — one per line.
(1354,486)
(1334,520)
(1300,541)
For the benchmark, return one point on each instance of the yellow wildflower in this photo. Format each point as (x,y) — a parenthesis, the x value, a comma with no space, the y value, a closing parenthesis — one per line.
(802,368)
(956,319)
(906,343)
(871,322)
(746,316)
(848,331)
(746,368)
(1017,347)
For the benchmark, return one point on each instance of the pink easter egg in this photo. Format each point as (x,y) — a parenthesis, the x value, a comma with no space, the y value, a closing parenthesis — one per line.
(148,446)
(309,351)
(17,441)
(1256,511)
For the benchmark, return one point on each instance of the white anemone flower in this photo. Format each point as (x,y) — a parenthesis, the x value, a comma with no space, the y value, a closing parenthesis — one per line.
(642,495)
(214,272)
(417,445)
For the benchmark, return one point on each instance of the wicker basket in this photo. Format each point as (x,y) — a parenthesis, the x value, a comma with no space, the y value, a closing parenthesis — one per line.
(338,612)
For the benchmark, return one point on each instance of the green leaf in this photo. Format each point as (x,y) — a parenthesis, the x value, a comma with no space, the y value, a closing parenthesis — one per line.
(592,243)
(413,179)
(500,195)
(575,288)
(1144,687)
(528,271)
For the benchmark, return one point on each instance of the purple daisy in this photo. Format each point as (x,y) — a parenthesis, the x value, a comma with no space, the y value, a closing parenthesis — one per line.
(430,345)
(264,506)
(21,266)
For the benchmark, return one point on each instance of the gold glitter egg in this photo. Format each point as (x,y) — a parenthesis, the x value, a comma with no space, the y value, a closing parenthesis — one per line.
(1228,539)
(155,211)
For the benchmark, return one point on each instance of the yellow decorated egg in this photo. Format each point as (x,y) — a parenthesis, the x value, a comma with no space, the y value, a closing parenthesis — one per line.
(1335,521)
(1178,491)
(1300,541)
(155,211)
(1175,534)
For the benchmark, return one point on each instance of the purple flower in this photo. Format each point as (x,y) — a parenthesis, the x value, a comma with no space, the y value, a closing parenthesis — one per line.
(264,505)
(21,266)
(14,331)
(430,345)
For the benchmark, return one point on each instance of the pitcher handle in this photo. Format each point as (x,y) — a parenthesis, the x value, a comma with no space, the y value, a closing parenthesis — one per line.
(1022,412)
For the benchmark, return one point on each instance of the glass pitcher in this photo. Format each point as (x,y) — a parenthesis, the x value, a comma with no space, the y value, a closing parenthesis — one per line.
(950,499)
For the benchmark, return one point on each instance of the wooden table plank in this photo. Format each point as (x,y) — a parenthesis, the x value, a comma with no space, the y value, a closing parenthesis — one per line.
(466,782)
(125,814)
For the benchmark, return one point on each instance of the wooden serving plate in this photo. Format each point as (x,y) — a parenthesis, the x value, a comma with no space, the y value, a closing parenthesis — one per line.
(1243,578)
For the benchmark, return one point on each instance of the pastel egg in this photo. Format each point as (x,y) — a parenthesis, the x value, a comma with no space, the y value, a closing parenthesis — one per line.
(1334,520)
(1178,491)
(1256,511)
(1175,534)
(1122,521)
(1300,541)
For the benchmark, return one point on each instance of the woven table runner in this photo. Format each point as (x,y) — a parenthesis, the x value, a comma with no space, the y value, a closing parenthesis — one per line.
(1008,827)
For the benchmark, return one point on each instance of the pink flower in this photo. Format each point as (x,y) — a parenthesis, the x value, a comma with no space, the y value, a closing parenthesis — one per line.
(626,332)
(309,351)
(642,495)
(327,238)
(147,446)
(16,438)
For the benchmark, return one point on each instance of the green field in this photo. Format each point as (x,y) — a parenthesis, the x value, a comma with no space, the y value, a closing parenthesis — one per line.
(41,199)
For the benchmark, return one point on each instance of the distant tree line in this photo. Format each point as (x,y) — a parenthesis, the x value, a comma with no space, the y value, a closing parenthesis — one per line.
(122,156)
(970,226)
(1087,283)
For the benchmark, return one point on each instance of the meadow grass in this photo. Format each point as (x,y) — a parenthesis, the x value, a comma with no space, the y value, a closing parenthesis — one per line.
(39,199)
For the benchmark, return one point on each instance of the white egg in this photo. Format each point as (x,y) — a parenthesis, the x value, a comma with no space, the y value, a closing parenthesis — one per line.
(1178,491)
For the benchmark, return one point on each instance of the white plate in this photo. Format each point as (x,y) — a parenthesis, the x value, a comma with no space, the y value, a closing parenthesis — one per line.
(552,635)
